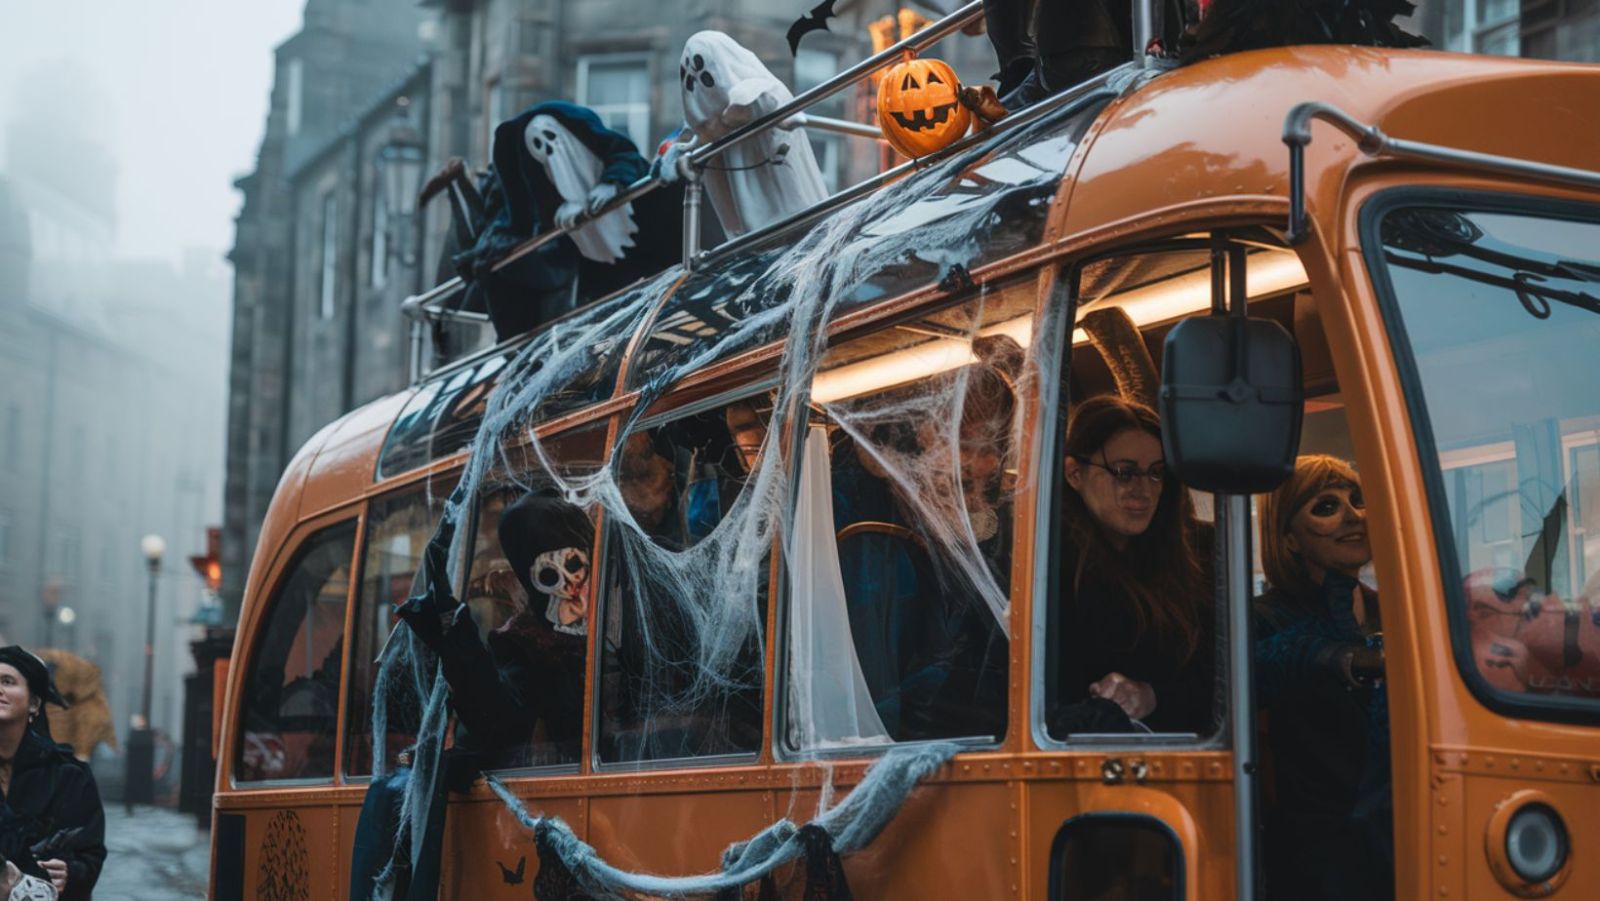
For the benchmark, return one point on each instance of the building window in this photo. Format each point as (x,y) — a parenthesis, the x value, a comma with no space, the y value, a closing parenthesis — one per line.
(617,88)
(380,241)
(330,255)
(295,74)
(5,536)
(1483,26)
(811,68)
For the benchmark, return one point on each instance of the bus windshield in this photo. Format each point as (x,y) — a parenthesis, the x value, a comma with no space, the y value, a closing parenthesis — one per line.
(1499,302)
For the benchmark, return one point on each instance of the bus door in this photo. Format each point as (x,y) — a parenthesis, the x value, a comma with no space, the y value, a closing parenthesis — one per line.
(1143,802)
(1491,301)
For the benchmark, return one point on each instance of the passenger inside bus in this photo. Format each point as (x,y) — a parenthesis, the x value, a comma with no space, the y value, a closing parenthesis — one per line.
(931,652)
(678,480)
(520,700)
(1319,663)
(1137,630)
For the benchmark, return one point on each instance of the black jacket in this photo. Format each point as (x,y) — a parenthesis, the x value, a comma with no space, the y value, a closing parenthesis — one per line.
(1326,751)
(53,791)
(1100,635)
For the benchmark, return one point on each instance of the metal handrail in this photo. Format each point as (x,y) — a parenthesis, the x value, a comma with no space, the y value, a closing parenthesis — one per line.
(1076,98)
(927,37)
(1372,141)
(425,306)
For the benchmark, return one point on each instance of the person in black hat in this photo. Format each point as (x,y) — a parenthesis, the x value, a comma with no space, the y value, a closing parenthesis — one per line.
(533,668)
(52,825)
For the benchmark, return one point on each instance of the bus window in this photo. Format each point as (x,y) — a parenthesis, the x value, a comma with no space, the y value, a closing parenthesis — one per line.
(902,530)
(678,480)
(1495,314)
(529,638)
(1130,635)
(398,528)
(290,703)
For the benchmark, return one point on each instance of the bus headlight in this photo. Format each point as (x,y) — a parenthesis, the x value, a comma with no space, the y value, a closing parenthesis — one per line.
(1527,844)
(1536,843)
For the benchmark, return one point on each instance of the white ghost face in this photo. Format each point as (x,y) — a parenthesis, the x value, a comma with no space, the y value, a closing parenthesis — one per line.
(541,136)
(694,73)
(562,573)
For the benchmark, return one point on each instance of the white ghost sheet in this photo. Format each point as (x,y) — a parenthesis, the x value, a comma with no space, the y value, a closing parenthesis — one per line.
(766,178)
(575,171)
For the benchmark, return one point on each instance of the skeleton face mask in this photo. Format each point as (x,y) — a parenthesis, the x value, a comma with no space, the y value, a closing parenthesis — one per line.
(562,575)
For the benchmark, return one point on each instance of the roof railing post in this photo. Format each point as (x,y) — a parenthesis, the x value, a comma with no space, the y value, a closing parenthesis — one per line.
(1146,28)
(415,361)
(693,191)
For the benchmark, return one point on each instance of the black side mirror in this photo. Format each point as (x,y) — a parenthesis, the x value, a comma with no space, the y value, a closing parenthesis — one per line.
(1231,404)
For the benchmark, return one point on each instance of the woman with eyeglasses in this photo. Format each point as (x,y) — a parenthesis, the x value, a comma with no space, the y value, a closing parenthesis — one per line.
(1319,663)
(1136,630)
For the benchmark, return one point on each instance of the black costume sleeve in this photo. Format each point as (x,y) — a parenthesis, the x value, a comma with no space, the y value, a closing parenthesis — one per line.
(77,803)
(487,694)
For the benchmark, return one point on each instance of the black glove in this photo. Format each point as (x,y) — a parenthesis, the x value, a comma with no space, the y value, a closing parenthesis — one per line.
(430,611)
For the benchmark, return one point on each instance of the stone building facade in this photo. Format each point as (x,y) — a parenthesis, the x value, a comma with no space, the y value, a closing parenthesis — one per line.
(347,54)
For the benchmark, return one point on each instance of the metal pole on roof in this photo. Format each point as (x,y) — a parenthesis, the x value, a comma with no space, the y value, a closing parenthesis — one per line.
(1146,28)
(693,190)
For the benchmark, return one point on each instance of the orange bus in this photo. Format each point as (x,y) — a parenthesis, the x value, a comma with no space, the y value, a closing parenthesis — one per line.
(1424,226)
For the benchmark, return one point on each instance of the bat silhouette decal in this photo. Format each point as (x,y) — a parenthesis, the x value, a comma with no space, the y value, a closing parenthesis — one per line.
(815,20)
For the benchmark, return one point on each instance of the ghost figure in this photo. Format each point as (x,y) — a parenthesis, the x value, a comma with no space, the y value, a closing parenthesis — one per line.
(575,171)
(761,180)
(562,575)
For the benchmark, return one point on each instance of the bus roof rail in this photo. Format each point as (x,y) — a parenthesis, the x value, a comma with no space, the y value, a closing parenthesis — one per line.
(1372,141)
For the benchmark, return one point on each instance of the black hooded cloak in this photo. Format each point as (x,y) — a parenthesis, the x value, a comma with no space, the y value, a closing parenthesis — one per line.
(538,287)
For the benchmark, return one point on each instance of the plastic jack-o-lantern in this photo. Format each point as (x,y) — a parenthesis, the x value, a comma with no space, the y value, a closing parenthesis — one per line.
(918,107)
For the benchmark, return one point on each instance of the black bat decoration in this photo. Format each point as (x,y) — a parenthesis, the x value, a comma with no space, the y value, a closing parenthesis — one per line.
(816,20)
(513,877)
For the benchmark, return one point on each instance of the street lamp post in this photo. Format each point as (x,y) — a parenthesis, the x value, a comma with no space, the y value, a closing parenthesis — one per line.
(140,780)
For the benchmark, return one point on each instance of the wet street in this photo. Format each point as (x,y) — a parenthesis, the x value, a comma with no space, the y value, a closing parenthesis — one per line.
(154,855)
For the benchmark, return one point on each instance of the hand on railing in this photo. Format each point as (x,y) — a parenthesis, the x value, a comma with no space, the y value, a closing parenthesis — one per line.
(671,164)
(600,195)
(567,213)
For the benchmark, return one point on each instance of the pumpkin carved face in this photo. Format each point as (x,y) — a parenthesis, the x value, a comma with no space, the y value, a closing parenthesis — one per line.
(918,109)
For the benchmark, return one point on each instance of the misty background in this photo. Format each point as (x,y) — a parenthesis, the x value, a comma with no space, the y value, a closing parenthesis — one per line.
(122,129)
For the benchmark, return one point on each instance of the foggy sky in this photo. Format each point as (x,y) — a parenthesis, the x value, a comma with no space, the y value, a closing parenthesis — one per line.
(177,89)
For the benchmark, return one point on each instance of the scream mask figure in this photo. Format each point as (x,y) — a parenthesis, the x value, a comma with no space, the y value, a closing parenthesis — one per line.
(575,172)
(918,108)
(766,178)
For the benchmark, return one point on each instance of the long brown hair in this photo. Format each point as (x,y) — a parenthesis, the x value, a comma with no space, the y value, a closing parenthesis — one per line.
(1159,570)
(1313,473)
